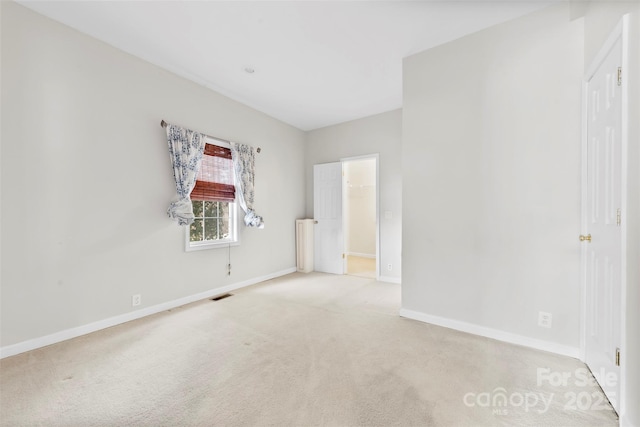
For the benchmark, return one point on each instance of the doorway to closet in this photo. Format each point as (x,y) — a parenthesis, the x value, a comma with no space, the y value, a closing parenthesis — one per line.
(360,220)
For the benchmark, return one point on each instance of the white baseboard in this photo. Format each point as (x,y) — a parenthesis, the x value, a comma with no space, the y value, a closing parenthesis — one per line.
(492,333)
(361,255)
(56,337)
(388,279)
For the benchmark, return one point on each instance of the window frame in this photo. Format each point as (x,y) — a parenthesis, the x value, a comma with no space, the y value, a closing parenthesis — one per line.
(220,243)
(234,219)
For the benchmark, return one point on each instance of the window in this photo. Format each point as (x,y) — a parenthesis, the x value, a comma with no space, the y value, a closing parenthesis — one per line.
(213,200)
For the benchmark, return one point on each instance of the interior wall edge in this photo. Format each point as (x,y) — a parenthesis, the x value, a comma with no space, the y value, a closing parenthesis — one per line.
(35,343)
(492,333)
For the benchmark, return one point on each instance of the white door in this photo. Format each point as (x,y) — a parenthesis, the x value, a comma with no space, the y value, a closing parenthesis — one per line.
(327,212)
(603,202)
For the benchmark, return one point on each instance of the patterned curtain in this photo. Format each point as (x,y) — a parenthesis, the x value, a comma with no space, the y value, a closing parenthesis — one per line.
(244,166)
(185,151)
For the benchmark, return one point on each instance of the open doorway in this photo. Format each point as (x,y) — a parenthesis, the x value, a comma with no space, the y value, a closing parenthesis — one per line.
(360,219)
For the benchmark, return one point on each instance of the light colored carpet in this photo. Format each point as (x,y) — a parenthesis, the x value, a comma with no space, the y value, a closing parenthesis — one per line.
(362,267)
(301,350)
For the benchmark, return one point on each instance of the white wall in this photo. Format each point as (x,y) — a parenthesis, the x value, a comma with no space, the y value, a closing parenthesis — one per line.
(381,134)
(360,206)
(600,19)
(491,178)
(86,182)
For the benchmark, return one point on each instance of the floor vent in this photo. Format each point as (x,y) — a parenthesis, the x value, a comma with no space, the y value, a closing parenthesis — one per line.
(219,297)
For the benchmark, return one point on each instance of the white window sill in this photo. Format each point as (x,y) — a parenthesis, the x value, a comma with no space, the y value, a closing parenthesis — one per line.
(190,247)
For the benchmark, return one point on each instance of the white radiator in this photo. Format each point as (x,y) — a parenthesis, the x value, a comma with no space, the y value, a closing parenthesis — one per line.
(304,245)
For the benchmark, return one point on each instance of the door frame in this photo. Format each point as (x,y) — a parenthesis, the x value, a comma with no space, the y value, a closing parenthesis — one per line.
(621,32)
(376,157)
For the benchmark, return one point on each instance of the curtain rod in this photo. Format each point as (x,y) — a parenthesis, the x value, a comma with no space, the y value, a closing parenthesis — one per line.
(164,125)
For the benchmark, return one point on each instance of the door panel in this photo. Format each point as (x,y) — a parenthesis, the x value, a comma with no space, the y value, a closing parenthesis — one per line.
(327,208)
(604,252)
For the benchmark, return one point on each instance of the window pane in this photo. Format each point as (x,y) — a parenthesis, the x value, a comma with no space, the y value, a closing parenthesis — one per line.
(224,209)
(210,209)
(211,229)
(195,230)
(197,208)
(224,227)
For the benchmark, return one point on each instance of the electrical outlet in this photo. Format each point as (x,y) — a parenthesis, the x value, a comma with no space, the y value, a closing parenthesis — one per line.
(389,267)
(136,300)
(544,319)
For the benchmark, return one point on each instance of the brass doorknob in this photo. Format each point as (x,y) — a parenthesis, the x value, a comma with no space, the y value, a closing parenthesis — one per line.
(587,238)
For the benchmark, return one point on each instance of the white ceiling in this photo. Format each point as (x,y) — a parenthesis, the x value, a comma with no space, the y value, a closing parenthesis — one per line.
(317,63)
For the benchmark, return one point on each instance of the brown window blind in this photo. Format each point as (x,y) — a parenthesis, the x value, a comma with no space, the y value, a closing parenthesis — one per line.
(215,179)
